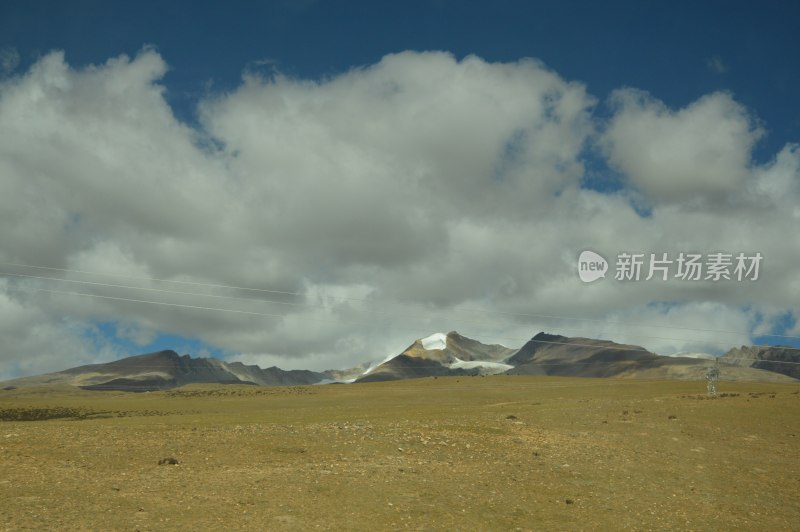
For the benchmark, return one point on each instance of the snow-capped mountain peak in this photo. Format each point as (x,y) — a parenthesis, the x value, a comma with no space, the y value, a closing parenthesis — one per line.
(436,341)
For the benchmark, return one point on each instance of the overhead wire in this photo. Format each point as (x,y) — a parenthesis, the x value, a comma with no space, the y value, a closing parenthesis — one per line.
(618,347)
(256,299)
(344,298)
(279,315)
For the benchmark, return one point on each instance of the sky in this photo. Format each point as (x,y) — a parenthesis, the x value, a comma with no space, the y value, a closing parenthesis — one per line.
(316,184)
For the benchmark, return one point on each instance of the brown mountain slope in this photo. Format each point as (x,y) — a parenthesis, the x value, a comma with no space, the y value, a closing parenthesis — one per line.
(779,359)
(547,354)
(417,361)
(164,370)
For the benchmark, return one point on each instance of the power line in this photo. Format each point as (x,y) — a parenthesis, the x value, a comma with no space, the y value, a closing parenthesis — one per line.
(306,305)
(619,347)
(98,296)
(153,279)
(151,289)
(262,290)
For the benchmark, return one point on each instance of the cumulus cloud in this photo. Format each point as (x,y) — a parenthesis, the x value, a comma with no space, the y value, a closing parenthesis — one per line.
(36,341)
(699,154)
(322,223)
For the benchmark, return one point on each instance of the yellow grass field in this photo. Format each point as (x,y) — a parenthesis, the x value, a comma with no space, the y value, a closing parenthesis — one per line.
(493,453)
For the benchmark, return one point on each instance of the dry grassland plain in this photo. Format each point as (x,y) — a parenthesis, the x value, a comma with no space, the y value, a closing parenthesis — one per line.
(493,453)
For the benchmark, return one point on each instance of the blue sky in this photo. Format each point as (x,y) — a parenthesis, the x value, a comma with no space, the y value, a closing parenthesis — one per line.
(314,183)
(677,50)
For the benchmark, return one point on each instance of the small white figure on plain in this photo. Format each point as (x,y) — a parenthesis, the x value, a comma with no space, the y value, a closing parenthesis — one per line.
(712,376)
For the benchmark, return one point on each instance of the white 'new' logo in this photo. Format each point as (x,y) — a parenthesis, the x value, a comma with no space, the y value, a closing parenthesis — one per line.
(591,266)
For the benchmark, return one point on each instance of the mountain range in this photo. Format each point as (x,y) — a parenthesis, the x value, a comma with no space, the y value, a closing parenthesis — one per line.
(438,355)
(163,370)
(442,355)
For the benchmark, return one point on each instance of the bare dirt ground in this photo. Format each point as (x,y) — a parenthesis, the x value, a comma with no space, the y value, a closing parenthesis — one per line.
(494,453)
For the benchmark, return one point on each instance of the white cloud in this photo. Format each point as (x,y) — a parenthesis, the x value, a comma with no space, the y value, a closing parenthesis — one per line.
(416,195)
(36,341)
(697,155)
(779,181)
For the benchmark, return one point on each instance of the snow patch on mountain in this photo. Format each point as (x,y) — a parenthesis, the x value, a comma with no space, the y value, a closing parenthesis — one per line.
(373,366)
(494,367)
(335,381)
(687,354)
(436,341)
